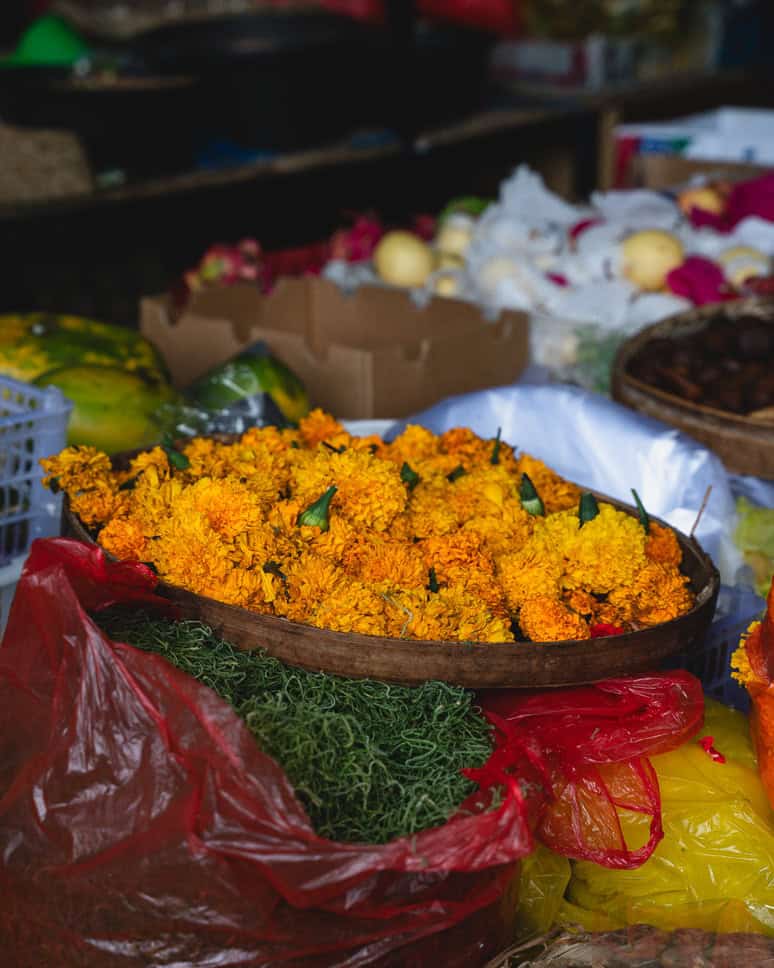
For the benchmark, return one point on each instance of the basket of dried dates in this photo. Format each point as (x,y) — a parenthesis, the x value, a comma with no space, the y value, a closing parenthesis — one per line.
(710,373)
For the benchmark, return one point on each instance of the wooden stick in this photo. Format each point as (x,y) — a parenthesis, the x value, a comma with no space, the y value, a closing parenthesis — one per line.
(701,509)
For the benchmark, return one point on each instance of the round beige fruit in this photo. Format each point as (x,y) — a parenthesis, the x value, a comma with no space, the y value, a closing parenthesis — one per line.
(706,198)
(743,262)
(446,284)
(454,235)
(649,256)
(403,259)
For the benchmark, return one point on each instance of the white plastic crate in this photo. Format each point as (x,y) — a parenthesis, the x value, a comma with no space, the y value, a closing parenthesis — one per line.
(33,424)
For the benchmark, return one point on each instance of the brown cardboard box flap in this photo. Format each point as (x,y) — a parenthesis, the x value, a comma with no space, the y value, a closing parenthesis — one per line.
(375,353)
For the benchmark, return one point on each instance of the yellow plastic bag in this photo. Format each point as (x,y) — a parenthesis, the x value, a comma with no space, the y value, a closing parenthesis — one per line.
(714,869)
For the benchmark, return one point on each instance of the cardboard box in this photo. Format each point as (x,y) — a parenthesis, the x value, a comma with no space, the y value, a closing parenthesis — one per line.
(668,171)
(372,354)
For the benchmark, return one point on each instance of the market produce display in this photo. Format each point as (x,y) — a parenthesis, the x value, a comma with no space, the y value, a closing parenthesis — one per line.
(446,538)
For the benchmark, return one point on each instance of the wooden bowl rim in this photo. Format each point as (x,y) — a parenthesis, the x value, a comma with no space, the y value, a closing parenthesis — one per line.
(707,578)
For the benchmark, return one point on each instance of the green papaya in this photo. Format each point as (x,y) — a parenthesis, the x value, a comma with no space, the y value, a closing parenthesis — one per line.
(113,409)
(254,371)
(33,343)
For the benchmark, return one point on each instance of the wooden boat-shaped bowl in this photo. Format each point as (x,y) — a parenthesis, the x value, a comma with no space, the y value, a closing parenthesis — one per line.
(744,444)
(511,665)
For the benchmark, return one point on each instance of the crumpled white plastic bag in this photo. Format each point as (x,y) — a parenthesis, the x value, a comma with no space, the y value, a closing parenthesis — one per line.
(609,448)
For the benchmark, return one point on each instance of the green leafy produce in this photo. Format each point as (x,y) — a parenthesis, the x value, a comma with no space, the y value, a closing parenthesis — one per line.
(754,536)
(368,760)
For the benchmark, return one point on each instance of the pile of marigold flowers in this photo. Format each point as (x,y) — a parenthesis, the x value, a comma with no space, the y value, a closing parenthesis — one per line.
(440,537)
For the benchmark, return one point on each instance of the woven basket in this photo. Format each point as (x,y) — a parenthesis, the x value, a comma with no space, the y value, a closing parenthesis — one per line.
(745,445)
(41,165)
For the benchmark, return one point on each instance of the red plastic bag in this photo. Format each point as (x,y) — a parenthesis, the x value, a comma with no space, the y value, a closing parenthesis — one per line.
(140,824)
(593,743)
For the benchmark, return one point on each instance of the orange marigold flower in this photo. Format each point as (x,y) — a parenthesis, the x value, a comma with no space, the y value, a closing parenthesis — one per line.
(386,563)
(229,507)
(309,579)
(414,445)
(661,544)
(546,619)
(428,510)
(473,451)
(352,607)
(153,462)
(449,615)
(124,538)
(658,593)
(504,532)
(97,505)
(555,492)
(318,426)
(78,469)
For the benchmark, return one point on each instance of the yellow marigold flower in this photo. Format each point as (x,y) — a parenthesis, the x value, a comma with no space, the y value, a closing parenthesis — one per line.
(273,439)
(546,619)
(429,511)
(661,545)
(607,614)
(370,492)
(483,490)
(449,615)
(78,469)
(580,602)
(352,607)
(248,588)
(262,544)
(153,463)
(452,551)
(124,538)
(386,563)
(309,579)
(658,593)
(531,572)
(333,543)
(97,505)
(471,451)
(606,553)
(229,507)
(741,670)
(189,553)
(318,426)
(504,532)
(555,492)
(149,504)
(414,445)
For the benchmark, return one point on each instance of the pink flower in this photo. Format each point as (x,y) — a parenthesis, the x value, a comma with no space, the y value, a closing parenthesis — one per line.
(753,197)
(700,280)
